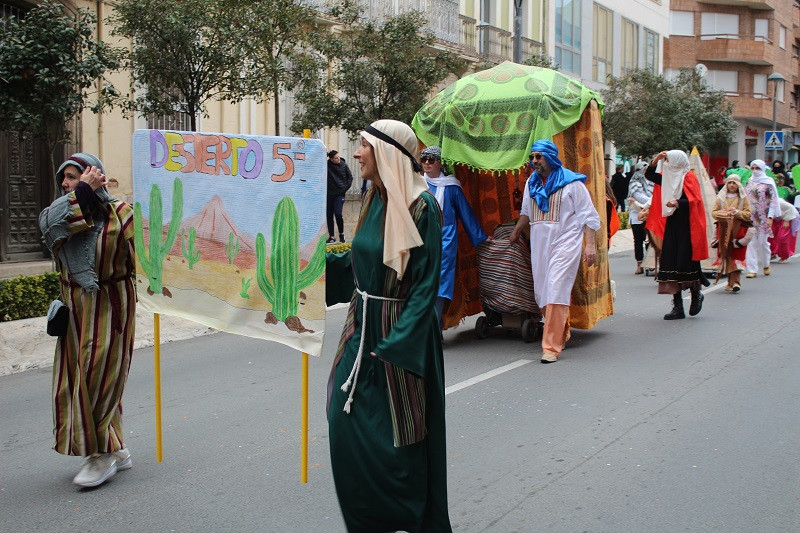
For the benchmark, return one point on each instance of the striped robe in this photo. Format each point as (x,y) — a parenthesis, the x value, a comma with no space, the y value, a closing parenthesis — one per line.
(92,360)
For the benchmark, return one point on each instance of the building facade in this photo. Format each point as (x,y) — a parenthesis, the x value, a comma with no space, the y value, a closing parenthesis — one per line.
(592,40)
(478,30)
(741,46)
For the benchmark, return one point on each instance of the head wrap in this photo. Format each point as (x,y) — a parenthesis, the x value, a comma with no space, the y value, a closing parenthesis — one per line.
(639,183)
(77,252)
(558,177)
(394,144)
(673,172)
(436,153)
(760,177)
(723,192)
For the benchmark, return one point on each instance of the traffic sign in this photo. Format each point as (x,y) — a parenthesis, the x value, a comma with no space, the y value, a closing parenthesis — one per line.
(773,140)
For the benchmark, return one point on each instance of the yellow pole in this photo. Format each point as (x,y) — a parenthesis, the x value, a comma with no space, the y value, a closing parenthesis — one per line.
(304,424)
(304,408)
(157,379)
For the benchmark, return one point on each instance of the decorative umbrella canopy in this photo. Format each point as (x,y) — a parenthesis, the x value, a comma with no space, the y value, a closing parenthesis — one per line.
(488,120)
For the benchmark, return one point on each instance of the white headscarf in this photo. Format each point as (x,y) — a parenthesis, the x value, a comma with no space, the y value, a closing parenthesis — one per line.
(760,177)
(673,173)
(403,186)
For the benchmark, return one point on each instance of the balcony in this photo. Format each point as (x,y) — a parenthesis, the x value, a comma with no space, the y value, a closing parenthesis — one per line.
(761,5)
(530,48)
(468,35)
(494,43)
(758,108)
(750,49)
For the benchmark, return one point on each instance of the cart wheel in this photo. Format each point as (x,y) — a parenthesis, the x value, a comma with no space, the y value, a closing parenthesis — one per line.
(481,328)
(528,330)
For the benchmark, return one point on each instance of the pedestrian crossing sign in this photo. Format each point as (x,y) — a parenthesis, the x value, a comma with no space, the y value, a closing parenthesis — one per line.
(773,140)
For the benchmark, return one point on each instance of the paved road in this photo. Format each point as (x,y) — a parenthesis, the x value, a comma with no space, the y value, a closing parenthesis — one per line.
(644,425)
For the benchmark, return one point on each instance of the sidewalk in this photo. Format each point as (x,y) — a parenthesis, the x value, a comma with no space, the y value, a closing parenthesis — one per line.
(25,345)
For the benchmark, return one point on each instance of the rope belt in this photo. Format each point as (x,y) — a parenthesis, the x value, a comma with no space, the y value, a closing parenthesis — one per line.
(353,378)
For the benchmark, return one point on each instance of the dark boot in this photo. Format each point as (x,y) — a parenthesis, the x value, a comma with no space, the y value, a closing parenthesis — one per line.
(341,237)
(697,303)
(677,308)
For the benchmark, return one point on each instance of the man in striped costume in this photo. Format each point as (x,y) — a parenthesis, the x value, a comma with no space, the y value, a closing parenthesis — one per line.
(559,210)
(90,234)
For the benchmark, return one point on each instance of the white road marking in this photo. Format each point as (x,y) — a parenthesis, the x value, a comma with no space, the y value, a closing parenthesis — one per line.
(486,375)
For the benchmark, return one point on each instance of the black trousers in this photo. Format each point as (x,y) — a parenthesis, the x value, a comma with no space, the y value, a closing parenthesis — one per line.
(335,204)
(638,241)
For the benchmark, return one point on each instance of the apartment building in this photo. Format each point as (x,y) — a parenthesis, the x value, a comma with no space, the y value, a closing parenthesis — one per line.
(743,47)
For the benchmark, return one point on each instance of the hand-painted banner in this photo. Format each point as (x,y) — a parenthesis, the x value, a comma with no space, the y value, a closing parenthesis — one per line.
(229,232)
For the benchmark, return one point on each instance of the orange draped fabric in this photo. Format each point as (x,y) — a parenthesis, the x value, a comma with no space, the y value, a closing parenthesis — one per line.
(656,222)
(496,198)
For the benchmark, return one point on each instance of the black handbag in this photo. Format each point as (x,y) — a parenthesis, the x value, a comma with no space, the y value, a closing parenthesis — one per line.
(57,319)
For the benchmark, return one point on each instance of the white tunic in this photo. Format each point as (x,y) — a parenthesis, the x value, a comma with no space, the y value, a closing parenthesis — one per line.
(557,240)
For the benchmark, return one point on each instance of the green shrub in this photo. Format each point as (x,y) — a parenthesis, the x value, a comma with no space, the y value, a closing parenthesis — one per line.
(624,223)
(27,296)
(338,248)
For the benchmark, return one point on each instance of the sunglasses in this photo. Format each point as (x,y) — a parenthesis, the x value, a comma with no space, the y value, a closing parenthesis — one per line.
(429,159)
(535,156)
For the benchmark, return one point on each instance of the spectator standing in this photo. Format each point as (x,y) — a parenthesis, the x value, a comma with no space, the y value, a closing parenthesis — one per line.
(339,180)
(619,184)
(90,234)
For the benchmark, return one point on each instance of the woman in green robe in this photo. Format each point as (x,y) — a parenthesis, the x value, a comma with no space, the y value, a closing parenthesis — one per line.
(386,390)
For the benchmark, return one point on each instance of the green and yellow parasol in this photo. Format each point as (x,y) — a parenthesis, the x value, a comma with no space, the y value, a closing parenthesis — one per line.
(488,120)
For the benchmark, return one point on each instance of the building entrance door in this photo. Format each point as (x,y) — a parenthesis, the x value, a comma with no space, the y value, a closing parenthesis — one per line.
(23,193)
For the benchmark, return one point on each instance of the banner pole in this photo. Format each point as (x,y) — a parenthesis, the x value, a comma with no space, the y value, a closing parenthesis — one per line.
(304,408)
(304,424)
(157,380)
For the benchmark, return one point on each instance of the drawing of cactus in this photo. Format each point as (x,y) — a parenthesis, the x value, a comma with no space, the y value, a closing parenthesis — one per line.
(153,263)
(191,254)
(287,280)
(232,249)
(245,292)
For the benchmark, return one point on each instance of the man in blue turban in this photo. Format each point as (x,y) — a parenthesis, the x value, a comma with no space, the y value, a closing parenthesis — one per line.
(559,210)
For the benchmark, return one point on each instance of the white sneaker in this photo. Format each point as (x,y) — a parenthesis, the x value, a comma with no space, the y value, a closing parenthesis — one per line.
(123,458)
(96,470)
(783,261)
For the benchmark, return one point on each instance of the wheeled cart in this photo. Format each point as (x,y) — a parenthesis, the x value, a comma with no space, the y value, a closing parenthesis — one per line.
(505,282)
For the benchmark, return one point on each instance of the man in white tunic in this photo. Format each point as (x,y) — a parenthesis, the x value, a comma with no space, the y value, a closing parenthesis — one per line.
(559,210)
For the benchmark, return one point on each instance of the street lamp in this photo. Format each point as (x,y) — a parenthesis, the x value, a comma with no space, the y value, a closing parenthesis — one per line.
(777,78)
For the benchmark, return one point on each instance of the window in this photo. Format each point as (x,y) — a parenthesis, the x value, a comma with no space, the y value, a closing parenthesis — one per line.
(780,90)
(759,85)
(651,46)
(568,35)
(603,43)
(719,26)
(724,80)
(630,45)
(761,32)
(681,23)
(782,37)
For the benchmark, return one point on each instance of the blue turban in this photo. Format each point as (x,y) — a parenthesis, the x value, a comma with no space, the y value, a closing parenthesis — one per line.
(558,177)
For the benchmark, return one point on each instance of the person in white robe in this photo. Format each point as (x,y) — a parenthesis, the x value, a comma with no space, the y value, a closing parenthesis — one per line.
(559,211)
